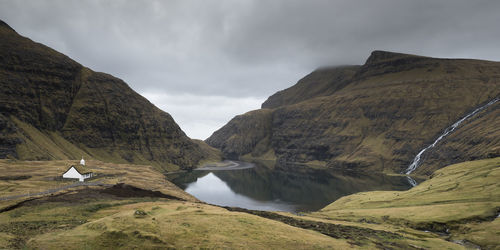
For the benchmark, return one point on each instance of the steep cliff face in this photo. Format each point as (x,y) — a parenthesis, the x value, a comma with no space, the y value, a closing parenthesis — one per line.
(477,138)
(376,116)
(51,107)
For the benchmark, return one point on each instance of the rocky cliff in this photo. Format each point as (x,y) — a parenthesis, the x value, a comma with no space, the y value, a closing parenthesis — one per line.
(375,117)
(51,107)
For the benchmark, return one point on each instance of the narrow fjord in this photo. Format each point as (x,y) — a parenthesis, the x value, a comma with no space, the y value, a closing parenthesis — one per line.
(401,152)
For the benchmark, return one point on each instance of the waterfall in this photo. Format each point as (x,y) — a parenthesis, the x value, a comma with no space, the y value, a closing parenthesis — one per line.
(416,161)
(411,181)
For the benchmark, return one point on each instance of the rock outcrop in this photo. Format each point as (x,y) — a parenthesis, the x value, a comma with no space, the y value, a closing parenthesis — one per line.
(374,117)
(51,107)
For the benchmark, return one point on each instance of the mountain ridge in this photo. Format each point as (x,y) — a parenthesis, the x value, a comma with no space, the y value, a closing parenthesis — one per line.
(321,82)
(52,107)
(383,115)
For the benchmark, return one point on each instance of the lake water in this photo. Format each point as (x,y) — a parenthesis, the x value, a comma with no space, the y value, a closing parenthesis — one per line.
(287,188)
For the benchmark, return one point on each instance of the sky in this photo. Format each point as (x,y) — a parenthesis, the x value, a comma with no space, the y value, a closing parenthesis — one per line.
(206,61)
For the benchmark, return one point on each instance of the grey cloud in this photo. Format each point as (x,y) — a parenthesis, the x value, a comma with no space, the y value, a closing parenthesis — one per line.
(339,32)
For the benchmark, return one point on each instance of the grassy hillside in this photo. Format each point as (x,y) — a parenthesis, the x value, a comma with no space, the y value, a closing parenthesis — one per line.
(321,82)
(51,107)
(461,200)
(22,177)
(375,119)
(183,225)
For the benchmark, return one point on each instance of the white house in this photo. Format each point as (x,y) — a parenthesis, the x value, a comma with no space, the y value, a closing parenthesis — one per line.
(82,162)
(77,172)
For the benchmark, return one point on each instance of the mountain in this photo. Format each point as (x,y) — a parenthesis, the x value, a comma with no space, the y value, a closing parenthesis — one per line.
(51,107)
(374,117)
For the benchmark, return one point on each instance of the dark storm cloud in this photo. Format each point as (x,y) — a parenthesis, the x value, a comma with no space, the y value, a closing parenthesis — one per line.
(241,51)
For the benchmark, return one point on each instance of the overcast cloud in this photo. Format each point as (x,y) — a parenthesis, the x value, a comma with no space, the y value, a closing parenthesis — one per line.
(206,61)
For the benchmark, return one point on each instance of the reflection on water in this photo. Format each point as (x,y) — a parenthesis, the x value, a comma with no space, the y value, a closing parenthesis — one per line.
(213,190)
(285,188)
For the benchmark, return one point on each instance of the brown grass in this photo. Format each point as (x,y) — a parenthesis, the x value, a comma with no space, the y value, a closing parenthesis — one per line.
(46,175)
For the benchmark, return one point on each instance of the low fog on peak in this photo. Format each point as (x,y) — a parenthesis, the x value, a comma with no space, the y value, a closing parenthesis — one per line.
(206,61)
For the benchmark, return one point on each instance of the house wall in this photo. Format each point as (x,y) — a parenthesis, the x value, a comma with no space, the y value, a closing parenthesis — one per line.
(72,173)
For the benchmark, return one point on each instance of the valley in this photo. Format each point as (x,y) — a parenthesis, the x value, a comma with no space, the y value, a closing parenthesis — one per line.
(402,152)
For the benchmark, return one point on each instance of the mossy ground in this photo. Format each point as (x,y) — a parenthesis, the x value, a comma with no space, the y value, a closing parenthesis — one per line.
(183,225)
(463,198)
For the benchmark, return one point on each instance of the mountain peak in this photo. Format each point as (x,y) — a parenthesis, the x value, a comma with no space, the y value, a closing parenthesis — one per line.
(380,56)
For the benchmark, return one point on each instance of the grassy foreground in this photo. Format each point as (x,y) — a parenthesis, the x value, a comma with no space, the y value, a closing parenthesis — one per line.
(22,177)
(164,224)
(455,209)
(462,200)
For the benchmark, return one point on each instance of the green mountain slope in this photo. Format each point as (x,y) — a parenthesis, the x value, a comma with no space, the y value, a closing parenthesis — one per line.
(51,107)
(376,118)
(461,201)
(321,82)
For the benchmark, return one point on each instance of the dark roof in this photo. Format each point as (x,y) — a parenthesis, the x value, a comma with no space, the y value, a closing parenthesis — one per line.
(80,169)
